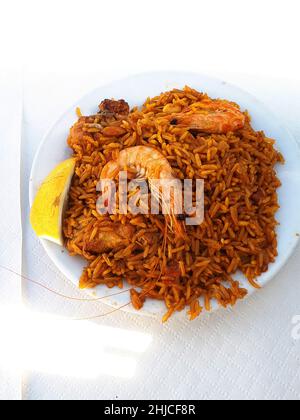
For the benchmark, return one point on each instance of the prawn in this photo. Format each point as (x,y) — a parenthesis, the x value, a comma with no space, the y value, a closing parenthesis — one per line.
(149,164)
(211,117)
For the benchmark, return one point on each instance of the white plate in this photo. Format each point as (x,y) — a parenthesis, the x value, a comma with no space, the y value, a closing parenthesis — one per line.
(135,90)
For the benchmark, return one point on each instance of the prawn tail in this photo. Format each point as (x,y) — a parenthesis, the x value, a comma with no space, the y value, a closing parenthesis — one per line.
(177,226)
(172,223)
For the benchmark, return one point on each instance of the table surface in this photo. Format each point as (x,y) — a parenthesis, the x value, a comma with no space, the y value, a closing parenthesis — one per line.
(241,353)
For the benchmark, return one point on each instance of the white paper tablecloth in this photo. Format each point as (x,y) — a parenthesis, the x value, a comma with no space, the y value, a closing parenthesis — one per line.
(10,224)
(241,353)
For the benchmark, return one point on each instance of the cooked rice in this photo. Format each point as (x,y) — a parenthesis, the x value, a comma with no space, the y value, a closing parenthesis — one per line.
(239,231)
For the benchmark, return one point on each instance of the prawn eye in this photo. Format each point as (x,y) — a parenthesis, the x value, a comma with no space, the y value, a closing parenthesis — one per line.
(181,217)
(174,121)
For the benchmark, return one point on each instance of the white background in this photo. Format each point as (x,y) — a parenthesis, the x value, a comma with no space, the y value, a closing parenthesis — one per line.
(57,51)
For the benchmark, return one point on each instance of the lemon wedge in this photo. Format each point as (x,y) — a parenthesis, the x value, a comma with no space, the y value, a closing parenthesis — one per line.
(47,210)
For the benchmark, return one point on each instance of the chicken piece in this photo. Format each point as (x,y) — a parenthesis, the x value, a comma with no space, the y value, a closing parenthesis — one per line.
(110,238)
(106,122)
(110,106)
